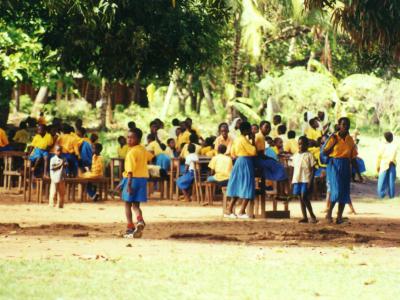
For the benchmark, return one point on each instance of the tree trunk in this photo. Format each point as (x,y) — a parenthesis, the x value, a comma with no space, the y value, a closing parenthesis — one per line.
(292,48)
(17,98)
(39,100)
(182,99)
(103,107)
(328,53)
(59,92)
(109,106)
(5,96)
(167,99)
(207,95)
(193,99)
(199,97)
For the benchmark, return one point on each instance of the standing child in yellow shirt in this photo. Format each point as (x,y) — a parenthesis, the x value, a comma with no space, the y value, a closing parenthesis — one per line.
(386,167)
(134,183)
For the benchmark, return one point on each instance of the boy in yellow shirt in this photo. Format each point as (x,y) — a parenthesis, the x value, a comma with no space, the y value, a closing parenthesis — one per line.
(97,170)
(221,165)
(291,146)
(69,143)
(134,182)
(39,148)
(22,135)
(313,133)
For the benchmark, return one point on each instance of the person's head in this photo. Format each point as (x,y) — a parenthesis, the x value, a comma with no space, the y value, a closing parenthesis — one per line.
(53,130)
(171,143)
(191,148)
(97,148)
(277,120)
(22,125)
(282,129)
(321,115)
(209,142)
(121,141)
(344,126)
(265,127)
(41,129)
(303,143)
(239,121)
(254,128)
(388,136)
(81,132)
(314,123)
(31,122)
(153,127)
(245,128)
(65,128)
(78,123)
(194,139)
(134,137)
(291,134)
(151,138)
(221,149)
(278,143)
(131,125)
(41,114)
(223,130)
(175,122)
(324,138)
(189,122)
(160,124)
(94,138)
(269,141)
(183,126)
(58,150)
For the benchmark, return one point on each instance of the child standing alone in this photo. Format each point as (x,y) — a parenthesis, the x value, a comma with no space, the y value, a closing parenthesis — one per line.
(134,182)
(185,182)
(57,186)
(303,164)
(386,167)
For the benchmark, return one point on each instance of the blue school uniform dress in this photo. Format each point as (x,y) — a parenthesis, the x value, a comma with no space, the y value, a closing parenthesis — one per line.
(136,164)
(361,166)
(186,180)
(241,182)
(387,170)
(339,167)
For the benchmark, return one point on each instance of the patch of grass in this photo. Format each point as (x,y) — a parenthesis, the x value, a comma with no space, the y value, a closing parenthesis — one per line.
(297,273)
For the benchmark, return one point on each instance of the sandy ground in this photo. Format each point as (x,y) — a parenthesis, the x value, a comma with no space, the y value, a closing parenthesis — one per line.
(35,230)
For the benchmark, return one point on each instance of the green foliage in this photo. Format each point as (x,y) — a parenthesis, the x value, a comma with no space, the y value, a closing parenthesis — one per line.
(72,110)
(25,104)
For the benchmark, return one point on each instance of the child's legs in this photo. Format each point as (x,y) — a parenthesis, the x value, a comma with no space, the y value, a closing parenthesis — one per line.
(330,210)
(128,214)
(308,205)
(60,194)
(341,210)
(46,164)
(186,194)
(138,212)
(392,181)
(383,183)
(232,205)
(53,193)
(243,207)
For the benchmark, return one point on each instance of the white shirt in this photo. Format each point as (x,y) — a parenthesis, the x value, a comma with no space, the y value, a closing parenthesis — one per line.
(190,160)
(303,164)
(56,175)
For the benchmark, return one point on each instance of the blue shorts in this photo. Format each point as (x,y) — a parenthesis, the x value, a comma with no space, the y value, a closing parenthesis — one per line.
(300,188)
(214,180)
(139,190)
(6,148)
(37,154)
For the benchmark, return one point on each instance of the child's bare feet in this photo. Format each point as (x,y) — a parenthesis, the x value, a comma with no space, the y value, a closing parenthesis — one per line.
(313,221)
(303,220)
(329,219)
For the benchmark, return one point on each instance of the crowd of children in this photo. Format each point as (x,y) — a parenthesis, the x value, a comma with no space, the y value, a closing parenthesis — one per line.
(238,153)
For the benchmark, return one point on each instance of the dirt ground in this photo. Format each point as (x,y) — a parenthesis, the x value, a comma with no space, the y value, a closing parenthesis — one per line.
(35,230)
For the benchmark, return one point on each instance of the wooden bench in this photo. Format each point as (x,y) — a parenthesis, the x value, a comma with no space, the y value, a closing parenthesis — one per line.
(116,164)
(10,170)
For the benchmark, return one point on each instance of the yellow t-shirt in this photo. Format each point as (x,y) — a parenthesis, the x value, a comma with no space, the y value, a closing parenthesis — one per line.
(344,148)
(183,138)
(386,155)
(154,147)
(97,168)
(313,134)
(291,146)
(242,147)
(22,136)
(122,151)
(42,142)
(69,143)
(205,150)
(3,138)
(136,162)
(260,142)
(222,166)
(221,141)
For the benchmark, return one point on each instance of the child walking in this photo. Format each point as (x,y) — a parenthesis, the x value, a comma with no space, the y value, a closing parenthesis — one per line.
(186,180)
(134,183)
(303,165)
(386,167)
(57,186)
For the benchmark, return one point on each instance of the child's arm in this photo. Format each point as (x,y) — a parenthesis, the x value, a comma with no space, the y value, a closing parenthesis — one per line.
(129,189)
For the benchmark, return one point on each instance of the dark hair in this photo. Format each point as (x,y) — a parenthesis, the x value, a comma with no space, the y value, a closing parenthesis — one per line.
(244,126)
(304,139)
(268,138)
(22,125)
(175,122)
(191,148)
(222,149)
(291,134)
(138,133)
(98,148)
(131,125)
(388,136)
(94,137)
(209,141)
(82,130)
(151,136)
(345,119)
(222,125)
(311,121)
(263,122)
(194,138)
(255,125)
(282,129)
(121,138)
(278,118)
(170,140)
